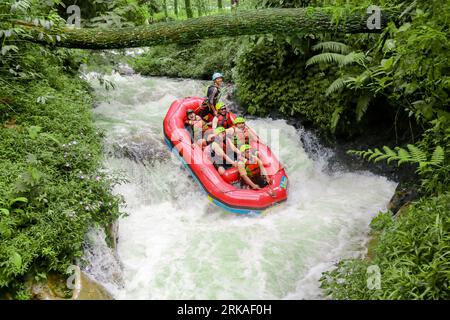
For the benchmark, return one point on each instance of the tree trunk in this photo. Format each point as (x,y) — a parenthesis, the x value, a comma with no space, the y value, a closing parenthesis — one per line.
(249,22)
(199,7)
(187,4)
(166,14)
(175,7)
(219,4)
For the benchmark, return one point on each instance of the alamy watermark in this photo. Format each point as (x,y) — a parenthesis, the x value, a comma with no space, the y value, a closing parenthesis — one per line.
(373,277)
(374,20)
(75,16)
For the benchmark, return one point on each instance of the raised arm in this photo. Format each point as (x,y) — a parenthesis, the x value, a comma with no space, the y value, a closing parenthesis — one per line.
(214,122)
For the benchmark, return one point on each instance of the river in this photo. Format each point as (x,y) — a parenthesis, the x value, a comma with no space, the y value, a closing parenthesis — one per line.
(174,244)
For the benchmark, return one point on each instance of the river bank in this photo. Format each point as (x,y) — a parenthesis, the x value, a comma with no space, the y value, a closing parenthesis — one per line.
(52,185)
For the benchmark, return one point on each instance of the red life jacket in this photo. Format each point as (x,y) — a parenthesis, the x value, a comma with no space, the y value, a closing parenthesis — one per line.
(252,169)
(208,118)
(225,122)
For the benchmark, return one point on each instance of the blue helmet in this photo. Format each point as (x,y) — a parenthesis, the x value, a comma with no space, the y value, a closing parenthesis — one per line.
(217,75)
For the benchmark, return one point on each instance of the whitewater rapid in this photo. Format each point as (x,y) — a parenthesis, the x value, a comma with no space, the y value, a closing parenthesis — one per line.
(174,244)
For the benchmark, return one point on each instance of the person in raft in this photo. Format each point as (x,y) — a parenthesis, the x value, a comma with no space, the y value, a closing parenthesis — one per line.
(223,118)
(241,133)
(251,169)
(195,126)
(219,144)
(208,108)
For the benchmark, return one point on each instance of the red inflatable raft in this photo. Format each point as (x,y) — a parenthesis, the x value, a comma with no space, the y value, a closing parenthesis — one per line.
(219,188)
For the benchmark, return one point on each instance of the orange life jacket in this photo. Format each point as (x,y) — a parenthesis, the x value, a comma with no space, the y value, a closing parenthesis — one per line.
(252,169)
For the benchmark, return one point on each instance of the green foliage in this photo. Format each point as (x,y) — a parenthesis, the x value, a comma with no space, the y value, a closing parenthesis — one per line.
(190,61)
(412,255)
(52,186)
(270,76)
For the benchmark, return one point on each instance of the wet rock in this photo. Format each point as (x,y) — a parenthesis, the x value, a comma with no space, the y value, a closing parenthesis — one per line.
(55,288)
(141,148)
(90,290)
(402,197)
(124,69)
(113,234)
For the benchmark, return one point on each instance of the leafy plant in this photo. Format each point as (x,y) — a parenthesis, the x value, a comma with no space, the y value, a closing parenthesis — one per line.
(411,155)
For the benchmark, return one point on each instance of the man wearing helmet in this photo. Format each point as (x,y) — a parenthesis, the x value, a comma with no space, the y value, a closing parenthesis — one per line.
(251,169)
(223,118)
(208,108)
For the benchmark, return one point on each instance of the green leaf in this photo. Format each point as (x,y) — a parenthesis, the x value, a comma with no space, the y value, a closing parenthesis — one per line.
(417,155)
(327,57)
(19,199)
(404,27)
(51,137)
(335,117)
(33,131)
(4,211)
(16,259)
(352,57)
(7,48)
(386,64)
(361,106)
(337,85)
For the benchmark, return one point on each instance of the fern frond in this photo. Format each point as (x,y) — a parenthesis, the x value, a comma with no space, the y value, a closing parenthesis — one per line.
(403,155)
(392,155)
(417,155)
(438,156)
(356,152)
(381,157)
(335,118)
(337,85)
(21,5)
(326,57)
(361,106)
(332,46)
(352,57)
(375,154)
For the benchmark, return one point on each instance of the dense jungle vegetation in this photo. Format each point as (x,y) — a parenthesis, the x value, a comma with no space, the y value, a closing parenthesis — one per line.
(394,83)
